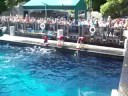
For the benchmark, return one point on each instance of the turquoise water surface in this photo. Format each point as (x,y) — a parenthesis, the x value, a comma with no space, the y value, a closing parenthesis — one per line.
(26,71)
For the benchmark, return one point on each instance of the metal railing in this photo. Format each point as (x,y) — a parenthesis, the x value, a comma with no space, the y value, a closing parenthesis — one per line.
(102,35)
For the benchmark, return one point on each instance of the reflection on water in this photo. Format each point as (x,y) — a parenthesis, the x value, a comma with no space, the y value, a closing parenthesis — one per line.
(44,72)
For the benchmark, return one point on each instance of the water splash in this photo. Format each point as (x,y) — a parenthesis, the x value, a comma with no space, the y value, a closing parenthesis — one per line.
(33,69)
(76,53)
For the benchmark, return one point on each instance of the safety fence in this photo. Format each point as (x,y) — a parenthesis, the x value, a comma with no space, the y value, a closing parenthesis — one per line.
(95,35)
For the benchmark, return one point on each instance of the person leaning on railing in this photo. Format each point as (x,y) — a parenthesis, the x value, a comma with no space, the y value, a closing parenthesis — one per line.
(126,24)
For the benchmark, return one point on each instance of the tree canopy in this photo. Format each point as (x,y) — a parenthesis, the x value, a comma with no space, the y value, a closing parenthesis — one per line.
(95,4)
(11,3)
(2,6)
(115,8)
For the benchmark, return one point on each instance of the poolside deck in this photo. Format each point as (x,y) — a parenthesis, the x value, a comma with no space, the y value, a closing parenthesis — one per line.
(72,46)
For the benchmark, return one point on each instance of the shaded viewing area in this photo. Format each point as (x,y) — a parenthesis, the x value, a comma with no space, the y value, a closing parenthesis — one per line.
(31,27)
(102,35)
(41,5)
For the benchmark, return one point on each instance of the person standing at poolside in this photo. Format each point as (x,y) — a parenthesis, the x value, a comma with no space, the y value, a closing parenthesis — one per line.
(80,42)
(60,41)
(126,24)
(45,42)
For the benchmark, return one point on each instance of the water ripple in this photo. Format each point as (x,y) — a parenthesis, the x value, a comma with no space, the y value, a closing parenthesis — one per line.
(35,71)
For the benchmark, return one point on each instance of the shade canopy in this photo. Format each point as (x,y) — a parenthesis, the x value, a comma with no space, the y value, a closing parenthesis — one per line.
(56,4)
(52,2)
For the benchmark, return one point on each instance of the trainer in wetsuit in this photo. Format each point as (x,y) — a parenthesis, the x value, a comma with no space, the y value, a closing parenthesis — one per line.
(60,40)
(80,42)
(45,38)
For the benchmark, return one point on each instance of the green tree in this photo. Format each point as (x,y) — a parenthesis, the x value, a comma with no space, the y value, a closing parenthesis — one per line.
(12,3)
(115,8)
(95,4)
(124,7)
(2,6)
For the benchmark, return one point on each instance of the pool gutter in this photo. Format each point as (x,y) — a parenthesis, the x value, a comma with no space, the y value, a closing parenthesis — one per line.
(69,47)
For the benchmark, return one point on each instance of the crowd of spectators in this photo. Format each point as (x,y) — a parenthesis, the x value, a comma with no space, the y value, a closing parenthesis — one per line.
(108,25)
(111,23)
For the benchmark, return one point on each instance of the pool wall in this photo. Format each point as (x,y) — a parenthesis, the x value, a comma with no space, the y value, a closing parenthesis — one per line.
(65,50)
(123,86)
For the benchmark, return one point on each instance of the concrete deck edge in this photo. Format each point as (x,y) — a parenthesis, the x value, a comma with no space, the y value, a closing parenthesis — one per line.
(117,52)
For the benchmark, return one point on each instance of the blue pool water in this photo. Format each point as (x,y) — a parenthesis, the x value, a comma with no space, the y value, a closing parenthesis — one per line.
(26,71)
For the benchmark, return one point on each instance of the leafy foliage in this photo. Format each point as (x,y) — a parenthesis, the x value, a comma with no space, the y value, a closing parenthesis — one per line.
(115,8)
(2,6)
(95,4)
(11,3)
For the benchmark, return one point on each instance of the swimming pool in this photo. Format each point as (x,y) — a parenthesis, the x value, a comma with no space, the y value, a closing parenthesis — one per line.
(27,71)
